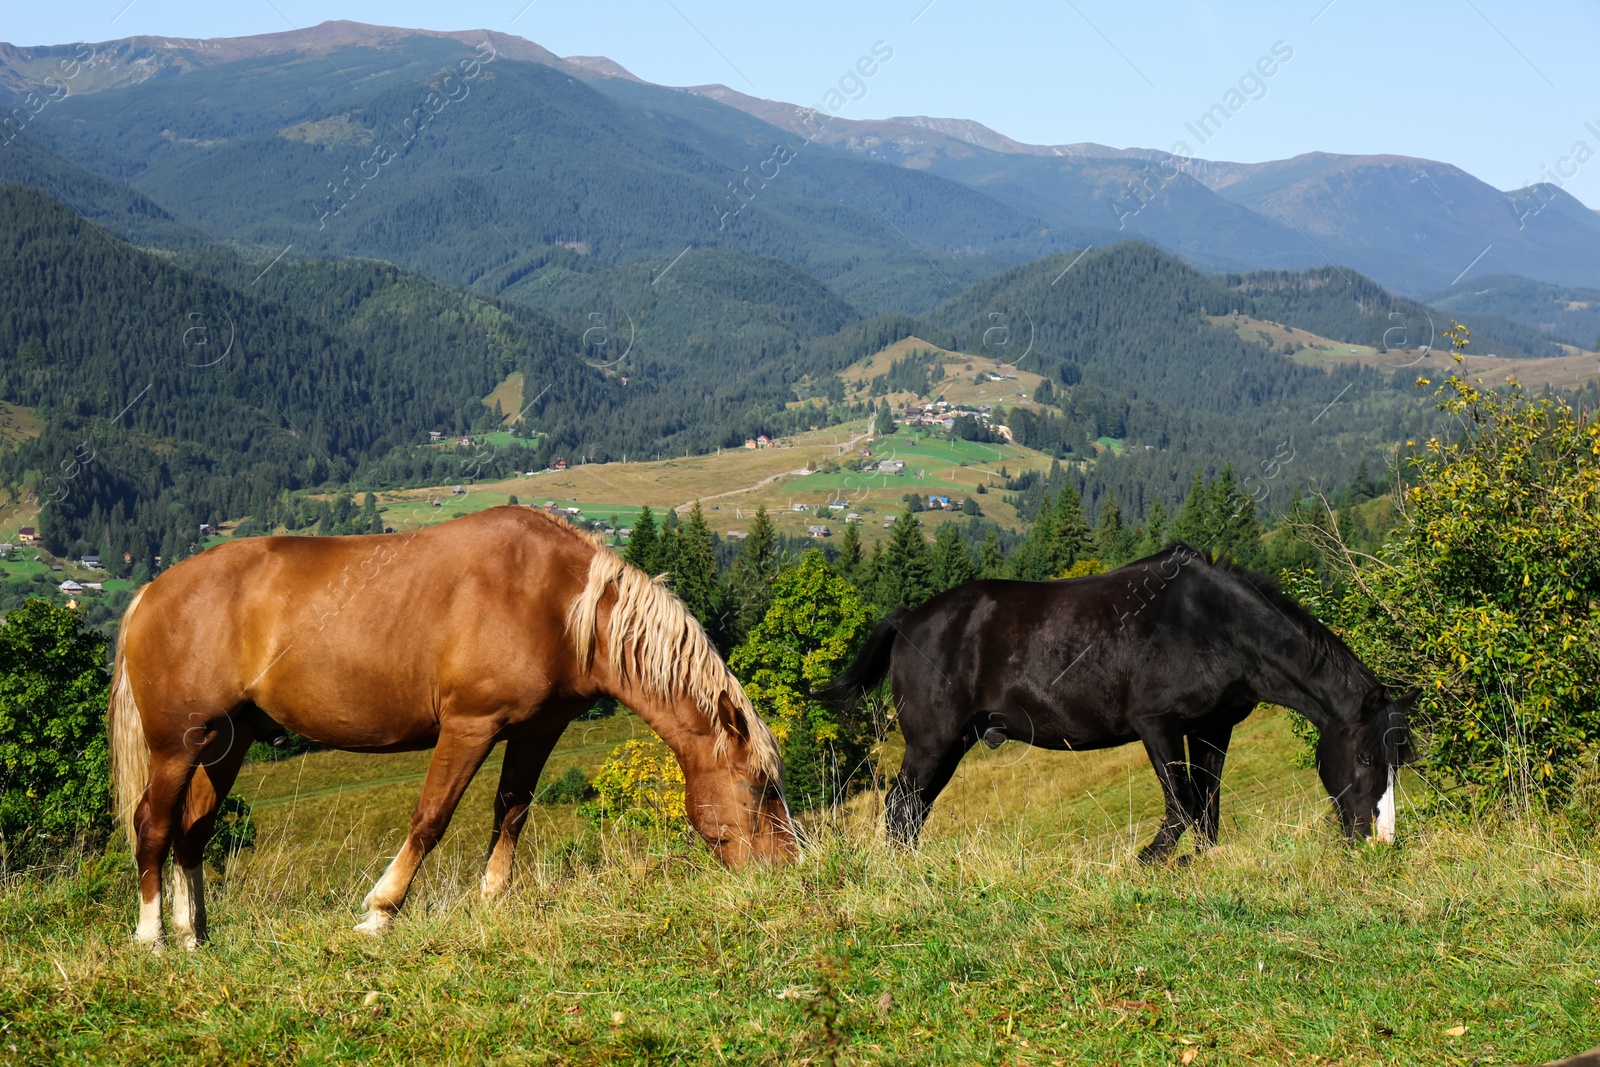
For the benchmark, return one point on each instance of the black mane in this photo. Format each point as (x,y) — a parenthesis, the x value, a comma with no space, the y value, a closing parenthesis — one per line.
(1323,641)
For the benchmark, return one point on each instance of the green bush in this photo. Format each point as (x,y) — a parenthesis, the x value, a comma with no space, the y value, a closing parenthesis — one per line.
(55,792)
(573,787)
(1486,596)
(814,623)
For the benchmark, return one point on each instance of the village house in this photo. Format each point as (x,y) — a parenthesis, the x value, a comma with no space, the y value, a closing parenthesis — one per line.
(939,502)
(28,536)
(435,435)
(892,466)
(70,588)
(92,562)
(736,535)
(818,531)
(797,507)
(559,463)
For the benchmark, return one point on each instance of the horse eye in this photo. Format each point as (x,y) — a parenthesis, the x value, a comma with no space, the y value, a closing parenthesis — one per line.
(1366,759)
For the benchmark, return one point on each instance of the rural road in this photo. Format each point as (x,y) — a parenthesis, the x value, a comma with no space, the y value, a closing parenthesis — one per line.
(763,483)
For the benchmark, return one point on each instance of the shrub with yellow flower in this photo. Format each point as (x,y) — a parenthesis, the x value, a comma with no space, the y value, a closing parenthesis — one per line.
(640,785)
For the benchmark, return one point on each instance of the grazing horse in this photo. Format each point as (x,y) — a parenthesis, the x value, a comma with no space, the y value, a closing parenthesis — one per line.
(501,626)
(1168,649)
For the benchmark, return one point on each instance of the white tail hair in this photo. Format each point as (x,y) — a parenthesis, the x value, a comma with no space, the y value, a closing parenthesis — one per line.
(130,752)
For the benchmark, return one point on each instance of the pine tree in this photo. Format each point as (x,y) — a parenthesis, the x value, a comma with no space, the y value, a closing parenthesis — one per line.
(1071,538)
(643,545)
(667,542)
(694,572)
(1113,542)
(1238,530)
(951,563)
(749,591)
(849,562)
(884,426)
(371,522)
(1193,525)
(991,557)
(905,572)
(1153,535)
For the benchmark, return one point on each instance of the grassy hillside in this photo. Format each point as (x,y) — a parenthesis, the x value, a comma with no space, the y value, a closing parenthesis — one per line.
(731,484)
(1021,933)
(1317,351)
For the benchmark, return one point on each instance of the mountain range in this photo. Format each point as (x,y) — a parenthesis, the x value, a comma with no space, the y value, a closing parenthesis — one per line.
(933,203)
(396,224)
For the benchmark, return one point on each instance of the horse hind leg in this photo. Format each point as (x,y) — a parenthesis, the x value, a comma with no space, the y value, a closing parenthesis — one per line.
(1208,748)
(218,766)
(153,824)
(519,774)
(929,763)
(456,758)
(1172,768)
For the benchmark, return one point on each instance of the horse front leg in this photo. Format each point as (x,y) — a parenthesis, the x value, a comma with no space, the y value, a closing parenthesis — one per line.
(519,775)
(1165,748)
(456,758)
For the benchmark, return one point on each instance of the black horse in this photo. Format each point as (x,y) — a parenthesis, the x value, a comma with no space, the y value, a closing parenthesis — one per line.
(1170,648)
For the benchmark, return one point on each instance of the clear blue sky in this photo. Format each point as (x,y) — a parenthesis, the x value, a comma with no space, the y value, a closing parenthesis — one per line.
(1500,88)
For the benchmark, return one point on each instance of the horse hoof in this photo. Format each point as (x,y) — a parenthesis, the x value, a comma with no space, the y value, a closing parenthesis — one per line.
(1184,860)
(189,943)
(374,924)
(1153,857)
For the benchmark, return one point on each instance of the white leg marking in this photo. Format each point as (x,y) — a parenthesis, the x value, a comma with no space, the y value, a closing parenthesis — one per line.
(148,932)
(189,905)
(1385,825)
(387,896)
(497,872)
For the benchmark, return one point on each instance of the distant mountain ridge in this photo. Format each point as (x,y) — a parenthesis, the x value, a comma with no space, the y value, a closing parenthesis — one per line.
(1416,226)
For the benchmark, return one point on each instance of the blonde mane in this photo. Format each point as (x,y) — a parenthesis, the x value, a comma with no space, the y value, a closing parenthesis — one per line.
(654,641)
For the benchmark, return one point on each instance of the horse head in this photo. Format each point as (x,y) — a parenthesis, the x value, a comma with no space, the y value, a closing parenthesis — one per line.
(735,799)
(1358,762)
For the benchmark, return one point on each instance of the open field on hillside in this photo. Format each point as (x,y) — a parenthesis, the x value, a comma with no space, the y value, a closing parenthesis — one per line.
(18,423)
(1437,362)
(958,386)
(1021,933)
(732,483)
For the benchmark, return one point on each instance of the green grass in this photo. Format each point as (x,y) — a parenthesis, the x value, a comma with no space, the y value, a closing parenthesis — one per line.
(1021,933)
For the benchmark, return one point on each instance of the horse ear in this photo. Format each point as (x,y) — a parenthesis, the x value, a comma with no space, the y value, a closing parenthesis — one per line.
(1397,737)
(729,719)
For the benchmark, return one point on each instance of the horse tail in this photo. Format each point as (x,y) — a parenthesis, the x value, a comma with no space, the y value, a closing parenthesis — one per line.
(870,665)
(130,751)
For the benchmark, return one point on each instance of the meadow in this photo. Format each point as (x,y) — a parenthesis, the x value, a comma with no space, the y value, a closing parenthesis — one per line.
(1022,932)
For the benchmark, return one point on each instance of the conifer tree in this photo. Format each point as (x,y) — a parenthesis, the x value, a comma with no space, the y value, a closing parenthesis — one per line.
(991,557)
(694,572)
(749,591)
(1114,543)
(905,572)
(849,562)
(951,563)
(884,424)
(643,543)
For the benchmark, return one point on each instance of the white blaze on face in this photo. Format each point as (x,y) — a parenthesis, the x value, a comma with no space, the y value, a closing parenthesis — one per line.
(1384,828)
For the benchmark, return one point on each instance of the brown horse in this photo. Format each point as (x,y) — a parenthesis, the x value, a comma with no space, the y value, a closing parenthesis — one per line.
(501,626)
